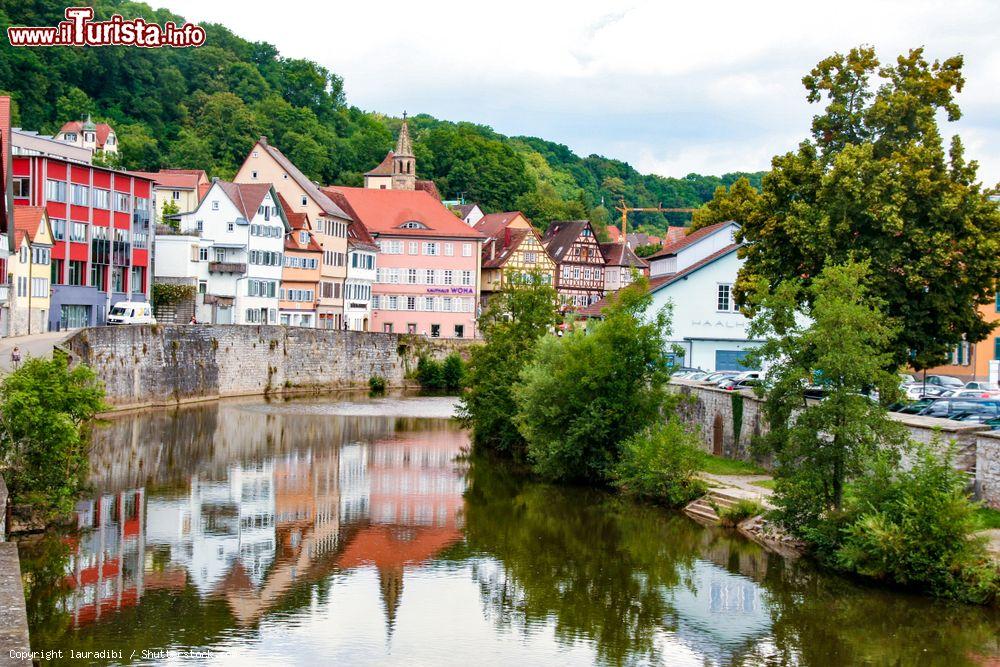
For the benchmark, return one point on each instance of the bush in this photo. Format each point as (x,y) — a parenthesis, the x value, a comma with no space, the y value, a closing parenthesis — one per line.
(741,511)
(660,464)
(42,447)
(915,528)
(435,375)
(376,385)
(453,372)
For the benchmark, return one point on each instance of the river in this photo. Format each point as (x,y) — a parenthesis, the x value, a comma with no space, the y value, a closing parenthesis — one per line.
(330,531)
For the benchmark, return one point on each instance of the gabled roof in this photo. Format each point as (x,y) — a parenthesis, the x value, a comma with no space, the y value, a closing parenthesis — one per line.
(506,243)
(619,254)
(178,179)
(311,189)
(656,284)
(492,224)
(464,209)
(560,236)
(384,211)
(299,222)
(688,239)
(359,238)
(246,196)
(102,130)
(27,220)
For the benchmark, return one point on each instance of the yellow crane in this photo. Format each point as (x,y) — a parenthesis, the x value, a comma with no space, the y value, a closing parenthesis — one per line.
(625,210)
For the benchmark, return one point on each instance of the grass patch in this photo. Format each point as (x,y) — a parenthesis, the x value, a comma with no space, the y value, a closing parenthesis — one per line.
(744,509)
(987,518)
(764,483)
(722,466)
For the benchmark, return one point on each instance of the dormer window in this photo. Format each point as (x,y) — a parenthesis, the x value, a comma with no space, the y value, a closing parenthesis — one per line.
(413,224)
(303,237)
(70,136)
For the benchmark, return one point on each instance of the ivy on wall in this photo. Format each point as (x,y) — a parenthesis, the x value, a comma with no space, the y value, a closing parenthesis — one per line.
(167,294)
(737,399)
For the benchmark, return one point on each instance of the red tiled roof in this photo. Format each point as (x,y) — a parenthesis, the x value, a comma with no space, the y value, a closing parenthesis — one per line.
(688,239)
(560,236)
(594,309)
(674,234)
(383,211)
(505,244)
(203,190)
(492,224)
(614,233)
(619,254)
(102,130)
(246,196)
(27,220)
(299,222)
(384,167)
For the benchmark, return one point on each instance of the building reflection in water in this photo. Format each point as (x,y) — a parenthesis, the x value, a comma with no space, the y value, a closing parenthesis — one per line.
(300,498)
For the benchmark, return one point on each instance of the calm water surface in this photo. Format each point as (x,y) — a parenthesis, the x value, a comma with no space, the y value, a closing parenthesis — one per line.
(327,532)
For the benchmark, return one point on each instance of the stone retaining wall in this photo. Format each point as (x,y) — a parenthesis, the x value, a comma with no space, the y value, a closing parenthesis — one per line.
(713,412)
(144,365)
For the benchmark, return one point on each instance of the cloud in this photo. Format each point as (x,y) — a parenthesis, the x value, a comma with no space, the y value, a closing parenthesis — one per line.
(653,83)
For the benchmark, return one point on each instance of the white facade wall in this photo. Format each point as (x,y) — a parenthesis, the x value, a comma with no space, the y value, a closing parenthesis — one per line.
(358,289)
(699,327)
(693,253)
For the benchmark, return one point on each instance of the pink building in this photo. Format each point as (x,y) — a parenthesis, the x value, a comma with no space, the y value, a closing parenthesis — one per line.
(428,262)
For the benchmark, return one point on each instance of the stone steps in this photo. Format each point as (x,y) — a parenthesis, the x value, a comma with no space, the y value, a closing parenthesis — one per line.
(704,509)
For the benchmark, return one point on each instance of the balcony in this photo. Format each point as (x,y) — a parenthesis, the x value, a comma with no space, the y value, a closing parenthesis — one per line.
(227,267)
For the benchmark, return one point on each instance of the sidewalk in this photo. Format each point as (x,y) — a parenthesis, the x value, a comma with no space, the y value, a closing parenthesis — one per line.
(36,345)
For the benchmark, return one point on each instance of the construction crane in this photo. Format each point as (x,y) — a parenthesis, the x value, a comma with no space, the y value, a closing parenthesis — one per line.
(625,210)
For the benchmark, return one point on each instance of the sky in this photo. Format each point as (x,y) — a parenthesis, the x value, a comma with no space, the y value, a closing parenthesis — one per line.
(670,87)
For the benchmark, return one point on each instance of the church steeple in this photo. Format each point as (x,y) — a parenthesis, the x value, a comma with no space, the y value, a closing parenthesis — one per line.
(404,163)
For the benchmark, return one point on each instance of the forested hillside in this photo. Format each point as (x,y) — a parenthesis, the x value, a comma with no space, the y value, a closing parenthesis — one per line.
(204,108)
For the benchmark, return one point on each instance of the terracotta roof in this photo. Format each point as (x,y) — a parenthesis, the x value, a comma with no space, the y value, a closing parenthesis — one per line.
(492,224)
(674,234)
(384,167)
(429,187)
(559,236)
(246,196)
(311,189)
(102,129)
(358,237)
(384,211)
(179,180)
(506,244)
(614,233)
(594,309)
(688,239)
(299,222)
(27,220)
(619,254)
(203,190)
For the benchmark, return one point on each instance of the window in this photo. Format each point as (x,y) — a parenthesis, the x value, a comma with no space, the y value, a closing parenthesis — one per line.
(303,237)
(202,254)
(202,287)
(175,195)
(449,249)
(265,288)
(304,200)
(215,205)
(446,304)
(466,277)
(387,327)
(466,250)
(255,154)
(530,257)
(430,248)
(75,272)
(57,271)
(101,198)
(220,255)
(78,232)
(135,280)
(435,331)
(415,249)
(97,275)
(118,278)
(448,276)
(459,331)
(725,298)
(253,174)
(55,190)
(122,202)
(79,194)
(58,228)
(393,303)
(411,276)
(411,303)
(22,187)
(70,136)
(413,224)
(428,303)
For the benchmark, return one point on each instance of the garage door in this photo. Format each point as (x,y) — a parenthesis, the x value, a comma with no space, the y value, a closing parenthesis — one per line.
(730,360)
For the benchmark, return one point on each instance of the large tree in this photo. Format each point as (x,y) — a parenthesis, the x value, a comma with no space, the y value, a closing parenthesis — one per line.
(875,183)
(735,203)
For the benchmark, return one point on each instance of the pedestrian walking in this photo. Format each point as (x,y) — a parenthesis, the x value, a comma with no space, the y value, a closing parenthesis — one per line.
(15,357)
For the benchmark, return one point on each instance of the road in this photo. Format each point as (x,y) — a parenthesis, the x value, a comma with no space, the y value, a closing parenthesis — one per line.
(37,345)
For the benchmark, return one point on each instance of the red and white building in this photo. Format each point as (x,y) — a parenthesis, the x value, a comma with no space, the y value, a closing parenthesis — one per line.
(100,222)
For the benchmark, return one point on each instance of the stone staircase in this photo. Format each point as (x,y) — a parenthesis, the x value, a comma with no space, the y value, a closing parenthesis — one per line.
(703,509)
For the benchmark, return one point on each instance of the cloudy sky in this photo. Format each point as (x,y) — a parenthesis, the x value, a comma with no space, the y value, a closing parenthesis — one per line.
(671,87)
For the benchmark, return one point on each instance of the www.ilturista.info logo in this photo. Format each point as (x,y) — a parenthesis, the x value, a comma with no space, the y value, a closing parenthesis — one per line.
(80,30)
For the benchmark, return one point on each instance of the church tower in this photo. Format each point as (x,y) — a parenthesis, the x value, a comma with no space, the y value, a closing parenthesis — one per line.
(404,162)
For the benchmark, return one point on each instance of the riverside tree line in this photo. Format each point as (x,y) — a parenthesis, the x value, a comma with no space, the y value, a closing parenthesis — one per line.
(867,250)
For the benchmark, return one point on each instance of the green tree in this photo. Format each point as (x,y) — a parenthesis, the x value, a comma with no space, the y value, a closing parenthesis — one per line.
(581,396)
(513,322)
(735,203)
(137,149)
(875,183)
(840,341)
(73,105)
(43,407)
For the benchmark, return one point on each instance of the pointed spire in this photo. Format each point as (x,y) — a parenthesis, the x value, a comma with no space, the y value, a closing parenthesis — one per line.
(404,148)
(89,124)
(390,583)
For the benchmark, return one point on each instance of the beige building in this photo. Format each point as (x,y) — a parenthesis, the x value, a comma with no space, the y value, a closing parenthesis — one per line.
(29,269)
(267,164)
(97,137)
(180,188)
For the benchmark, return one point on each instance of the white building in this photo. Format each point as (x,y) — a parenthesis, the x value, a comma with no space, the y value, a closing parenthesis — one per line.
(696,275)
(361,273)
(232,244)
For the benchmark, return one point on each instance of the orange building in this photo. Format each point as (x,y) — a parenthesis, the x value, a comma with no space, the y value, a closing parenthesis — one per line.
(972,361)
(300,276)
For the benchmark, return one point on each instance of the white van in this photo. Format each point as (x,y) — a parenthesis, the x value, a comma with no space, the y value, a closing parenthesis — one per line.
(131,312)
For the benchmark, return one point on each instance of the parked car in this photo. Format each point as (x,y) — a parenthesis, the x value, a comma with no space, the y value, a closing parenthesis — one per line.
(945,381)
(920,390)
(947,408)
(735,384)
(696,377)
(984,386)
(911,408)
(131,312)
(718,376)
(976,393)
